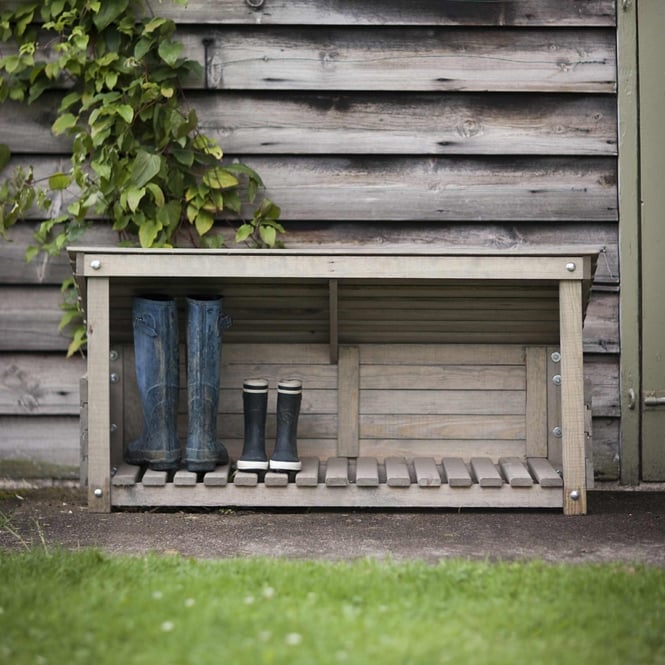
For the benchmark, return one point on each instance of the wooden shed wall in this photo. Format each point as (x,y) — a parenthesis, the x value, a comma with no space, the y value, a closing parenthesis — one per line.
(374,122)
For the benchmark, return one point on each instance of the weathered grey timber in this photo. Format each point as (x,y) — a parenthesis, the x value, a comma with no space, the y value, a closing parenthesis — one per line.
(365,141)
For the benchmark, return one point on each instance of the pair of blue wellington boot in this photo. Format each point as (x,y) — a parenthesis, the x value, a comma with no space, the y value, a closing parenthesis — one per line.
(155,324)
(255,403)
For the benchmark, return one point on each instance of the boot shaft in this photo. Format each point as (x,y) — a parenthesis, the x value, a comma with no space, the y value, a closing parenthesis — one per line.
(289,398)
(255,405)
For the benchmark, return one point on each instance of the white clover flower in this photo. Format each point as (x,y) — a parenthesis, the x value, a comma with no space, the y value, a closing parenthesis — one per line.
(189,602)
(157,595)
(268,592)
(293,639)
(168,626)
(248,600)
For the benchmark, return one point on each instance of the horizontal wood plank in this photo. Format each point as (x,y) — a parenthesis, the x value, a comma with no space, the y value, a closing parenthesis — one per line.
(334,123)
(415,12)
(434,189)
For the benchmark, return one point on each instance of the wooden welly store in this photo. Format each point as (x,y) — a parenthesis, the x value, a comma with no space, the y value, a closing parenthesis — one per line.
(430,379)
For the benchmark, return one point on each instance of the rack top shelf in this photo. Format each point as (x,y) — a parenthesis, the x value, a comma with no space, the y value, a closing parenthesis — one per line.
(542,263)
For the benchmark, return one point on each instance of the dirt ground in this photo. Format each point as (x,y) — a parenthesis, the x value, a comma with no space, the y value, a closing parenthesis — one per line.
(624,527)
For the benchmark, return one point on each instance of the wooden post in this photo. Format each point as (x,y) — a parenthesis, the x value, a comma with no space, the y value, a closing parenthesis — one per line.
(99,396)
(572,398)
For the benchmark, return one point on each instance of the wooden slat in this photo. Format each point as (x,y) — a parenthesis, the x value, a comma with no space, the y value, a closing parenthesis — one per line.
(387,426)
(544,472)
(126,475)
(440,354)
(515,472)
(348,401)
(275,479)
(184,478)
(430,189)
(308,476)
(536,401)
(555,13)
(217,478)
(436,447)
(409,59)
(154,478)
(337,472)
(245,479)
(455,472)
(397,472)
(367,472)
(357,123)
(427,474)
(485,473)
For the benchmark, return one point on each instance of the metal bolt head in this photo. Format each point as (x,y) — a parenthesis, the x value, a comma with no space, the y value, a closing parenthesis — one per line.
(98,492)
(574,495)
(254,4)
(570,267)
(556,357)
(558,433)
(114,355)
(114,377)
(556,379)
(95,264)
(113,428)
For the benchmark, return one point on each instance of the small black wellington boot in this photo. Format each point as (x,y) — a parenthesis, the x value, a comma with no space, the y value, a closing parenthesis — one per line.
(255,404)
(155,325)
(285,454)
(205,323)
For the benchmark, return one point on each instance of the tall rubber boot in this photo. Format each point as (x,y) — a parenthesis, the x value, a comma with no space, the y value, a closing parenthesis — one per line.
(285,454)
(255,404)
(155,324)
(205,322)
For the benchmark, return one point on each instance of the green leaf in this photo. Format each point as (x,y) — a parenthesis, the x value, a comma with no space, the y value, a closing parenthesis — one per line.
(219,178)
(59,181)
(148,232)
(134,196)
(126,112)
(63,123)
(169,51)
(244,232)
(78,341)
(268,235)
(204,222)
(146,166)
(157,193)
(109,10)
(184,157)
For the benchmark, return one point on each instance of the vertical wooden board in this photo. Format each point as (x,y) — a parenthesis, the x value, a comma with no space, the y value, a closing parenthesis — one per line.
(217,478)
(427,475)
(367,472)
(544,472)
(485,472)
(397,472)
(553,406)
(337,472)
(126,475)
(515,473)
(308,476)
(99,435)
(456,472)
(83,430)
(348,401)
(572,398)
(536,401)
(333,322)
(117,412)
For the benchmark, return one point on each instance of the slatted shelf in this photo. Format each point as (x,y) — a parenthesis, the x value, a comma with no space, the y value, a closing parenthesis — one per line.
(337,481)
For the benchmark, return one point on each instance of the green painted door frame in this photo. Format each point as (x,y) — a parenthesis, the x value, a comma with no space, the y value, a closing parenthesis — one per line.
(641,99)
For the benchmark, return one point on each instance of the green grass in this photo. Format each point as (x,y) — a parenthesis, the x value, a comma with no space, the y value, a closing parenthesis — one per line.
(87,607)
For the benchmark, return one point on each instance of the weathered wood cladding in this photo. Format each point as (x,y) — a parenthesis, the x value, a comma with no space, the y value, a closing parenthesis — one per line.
(374,122)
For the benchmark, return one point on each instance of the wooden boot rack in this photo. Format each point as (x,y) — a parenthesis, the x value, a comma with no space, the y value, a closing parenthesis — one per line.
(431,378)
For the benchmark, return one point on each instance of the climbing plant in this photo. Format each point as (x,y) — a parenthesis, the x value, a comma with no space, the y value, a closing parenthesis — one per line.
(138,155)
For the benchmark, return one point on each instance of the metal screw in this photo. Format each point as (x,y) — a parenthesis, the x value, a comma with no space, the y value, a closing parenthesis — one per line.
(556,357)
(556,379)
(574,495)
(570,267)
(98,492)
(114,427)
(254,4)
(114,377)
(114,355)
(558,433)
(96,264)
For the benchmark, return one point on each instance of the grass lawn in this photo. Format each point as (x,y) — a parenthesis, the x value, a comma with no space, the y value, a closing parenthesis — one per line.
(87,607)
